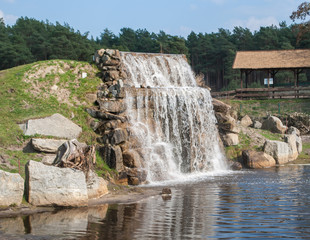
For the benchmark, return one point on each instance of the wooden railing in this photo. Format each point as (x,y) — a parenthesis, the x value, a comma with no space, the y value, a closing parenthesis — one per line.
(263,93)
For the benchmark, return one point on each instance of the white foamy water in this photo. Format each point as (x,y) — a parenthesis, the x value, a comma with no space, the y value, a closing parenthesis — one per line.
(172,123)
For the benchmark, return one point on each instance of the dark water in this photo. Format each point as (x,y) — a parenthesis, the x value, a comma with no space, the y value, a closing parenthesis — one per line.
(260,204)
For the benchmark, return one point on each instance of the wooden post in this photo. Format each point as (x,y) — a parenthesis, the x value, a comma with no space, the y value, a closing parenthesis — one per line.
(272,76)
(241,83)
(268,81)
(297,78)
(295,81)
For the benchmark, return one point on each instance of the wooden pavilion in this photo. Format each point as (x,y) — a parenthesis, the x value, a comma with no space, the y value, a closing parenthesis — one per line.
(272,62)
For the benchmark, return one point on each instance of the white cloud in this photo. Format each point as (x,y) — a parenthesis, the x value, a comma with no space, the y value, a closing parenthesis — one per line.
(10,1)
(8,19)
(254,23)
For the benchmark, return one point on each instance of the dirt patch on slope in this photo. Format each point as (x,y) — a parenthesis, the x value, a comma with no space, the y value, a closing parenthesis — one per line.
(57,79)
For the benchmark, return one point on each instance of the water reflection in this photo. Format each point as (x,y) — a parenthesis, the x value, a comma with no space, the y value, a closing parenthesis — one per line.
(68,223)
(258,204)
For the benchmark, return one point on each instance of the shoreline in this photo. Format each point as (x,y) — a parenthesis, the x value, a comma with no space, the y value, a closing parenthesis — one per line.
(124,195)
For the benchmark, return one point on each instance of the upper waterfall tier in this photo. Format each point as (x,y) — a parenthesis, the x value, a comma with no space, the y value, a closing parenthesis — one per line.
(157,70)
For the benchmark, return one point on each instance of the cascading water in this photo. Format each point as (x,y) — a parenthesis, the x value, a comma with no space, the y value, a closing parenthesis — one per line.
(172,123)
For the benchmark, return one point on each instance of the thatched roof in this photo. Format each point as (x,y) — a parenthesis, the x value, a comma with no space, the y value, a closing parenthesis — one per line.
(274,59)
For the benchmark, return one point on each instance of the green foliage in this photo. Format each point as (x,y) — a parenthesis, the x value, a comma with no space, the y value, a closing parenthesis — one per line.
(260,108)
(18,159)
(271,136)
(30,40)
(211,54)
(102,169)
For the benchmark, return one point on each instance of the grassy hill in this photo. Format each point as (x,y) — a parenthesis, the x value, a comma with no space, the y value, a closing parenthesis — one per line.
(56,86)
(39,90)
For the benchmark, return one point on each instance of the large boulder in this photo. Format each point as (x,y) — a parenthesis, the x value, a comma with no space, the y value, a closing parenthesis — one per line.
(294,131)
(253,159)
(231,139)
(55,125)
(291,141)
(226,123)
(274,124)
(53,186)
(46,145)
(246,121)
(96,186)
(299,144)
(11,188)
(135,176)
(257,125)
(280,151)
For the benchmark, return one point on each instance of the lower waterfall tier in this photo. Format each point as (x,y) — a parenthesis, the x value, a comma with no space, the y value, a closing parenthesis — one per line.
(173,130)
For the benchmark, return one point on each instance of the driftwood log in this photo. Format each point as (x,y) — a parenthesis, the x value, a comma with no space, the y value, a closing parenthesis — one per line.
(73,154)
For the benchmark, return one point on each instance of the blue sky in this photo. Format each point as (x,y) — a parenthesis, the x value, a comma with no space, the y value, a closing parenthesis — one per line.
(175,17)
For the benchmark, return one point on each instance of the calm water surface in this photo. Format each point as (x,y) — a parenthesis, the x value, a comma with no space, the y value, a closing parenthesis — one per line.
(260,204)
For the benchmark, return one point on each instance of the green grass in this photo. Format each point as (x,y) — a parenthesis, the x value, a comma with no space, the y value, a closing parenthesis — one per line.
(303,157)
(235,152)
(16,157)
(18,105)
(19,102)
(260,108)
(271,136)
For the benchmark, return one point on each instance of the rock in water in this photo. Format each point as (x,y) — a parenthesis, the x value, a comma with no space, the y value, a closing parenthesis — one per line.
(235,165)
(166,191)
(11,188)
(55,125)
(166,194)
(253,159)
(53,186)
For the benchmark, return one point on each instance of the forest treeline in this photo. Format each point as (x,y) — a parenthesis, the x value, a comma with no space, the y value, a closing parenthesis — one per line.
(211,54)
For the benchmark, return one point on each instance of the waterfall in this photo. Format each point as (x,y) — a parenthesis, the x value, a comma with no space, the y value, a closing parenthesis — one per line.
(172,123)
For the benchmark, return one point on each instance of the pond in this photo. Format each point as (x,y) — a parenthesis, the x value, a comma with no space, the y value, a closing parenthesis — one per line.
(258,204)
